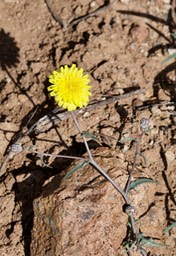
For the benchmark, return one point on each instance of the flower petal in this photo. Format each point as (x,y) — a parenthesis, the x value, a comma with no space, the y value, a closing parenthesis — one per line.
(70,87)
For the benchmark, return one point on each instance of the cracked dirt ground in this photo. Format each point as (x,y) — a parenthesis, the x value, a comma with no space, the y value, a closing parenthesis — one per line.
(121,45)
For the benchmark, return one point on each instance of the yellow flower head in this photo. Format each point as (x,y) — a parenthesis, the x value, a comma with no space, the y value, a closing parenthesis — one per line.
(70,87)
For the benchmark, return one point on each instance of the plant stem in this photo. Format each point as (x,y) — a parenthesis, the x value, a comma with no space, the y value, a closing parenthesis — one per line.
(96,166)
(134,162)
(82,135)
(60,156)
(105,175)
(144,123)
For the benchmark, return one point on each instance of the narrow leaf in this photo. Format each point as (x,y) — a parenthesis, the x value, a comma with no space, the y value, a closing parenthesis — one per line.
(127,139)
(169,227)
(174,35)
(173,55)
(145,161)
(151,242)
(148,241)
(140,181)
(77,167)
(90,135)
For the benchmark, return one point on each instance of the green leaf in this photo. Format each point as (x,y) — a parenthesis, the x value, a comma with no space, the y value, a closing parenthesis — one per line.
(151,242)
(148,241)
(77,167)
(140,181)
(172,56)
(169,227)
(90,135)
(145,162)
(127,139)
(173,35)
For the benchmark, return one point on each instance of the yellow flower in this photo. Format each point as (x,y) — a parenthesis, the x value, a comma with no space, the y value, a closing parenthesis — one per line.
(70,87)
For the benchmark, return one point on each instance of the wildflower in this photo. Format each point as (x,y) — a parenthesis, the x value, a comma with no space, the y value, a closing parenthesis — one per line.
(70,87)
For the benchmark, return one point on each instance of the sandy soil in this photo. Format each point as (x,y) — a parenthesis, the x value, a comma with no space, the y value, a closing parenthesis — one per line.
(121,45)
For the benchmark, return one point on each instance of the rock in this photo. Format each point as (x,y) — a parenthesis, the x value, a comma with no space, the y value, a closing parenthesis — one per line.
(83,216)
(139,34)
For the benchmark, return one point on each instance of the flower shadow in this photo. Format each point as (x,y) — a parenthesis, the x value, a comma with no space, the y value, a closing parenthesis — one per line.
(9,54)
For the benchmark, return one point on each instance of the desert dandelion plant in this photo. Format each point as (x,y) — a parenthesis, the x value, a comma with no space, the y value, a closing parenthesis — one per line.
(70,87)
